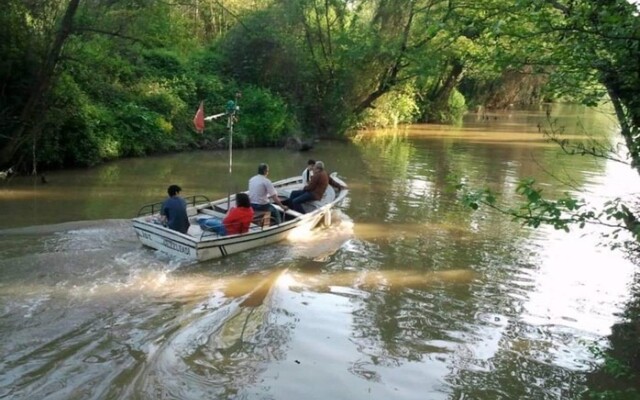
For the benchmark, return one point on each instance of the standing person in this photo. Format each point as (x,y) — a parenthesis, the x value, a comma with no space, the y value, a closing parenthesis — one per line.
(174,210)
(261,190)
(308,172)
(236,221)
(314,190)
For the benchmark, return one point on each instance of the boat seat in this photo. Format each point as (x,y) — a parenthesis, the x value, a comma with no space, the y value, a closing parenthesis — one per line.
(213,213)
(262,219)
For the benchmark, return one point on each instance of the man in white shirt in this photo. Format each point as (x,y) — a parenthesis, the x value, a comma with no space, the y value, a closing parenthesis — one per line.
(308,172)
(261,190)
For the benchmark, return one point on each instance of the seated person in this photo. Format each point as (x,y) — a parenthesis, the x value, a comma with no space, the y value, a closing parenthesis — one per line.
(308,172)
(173,212)
(261,190)
(314,190)
(328,196)
(236,221)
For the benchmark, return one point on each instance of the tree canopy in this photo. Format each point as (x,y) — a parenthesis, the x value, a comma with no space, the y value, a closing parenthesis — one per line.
(83,82)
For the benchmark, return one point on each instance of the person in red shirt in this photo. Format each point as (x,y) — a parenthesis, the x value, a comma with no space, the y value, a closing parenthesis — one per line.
(236,221)
(239,217)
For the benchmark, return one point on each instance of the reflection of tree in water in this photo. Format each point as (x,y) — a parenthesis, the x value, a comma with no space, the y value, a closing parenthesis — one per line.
(396,325)
(410,174)
(506,376)
(468,329)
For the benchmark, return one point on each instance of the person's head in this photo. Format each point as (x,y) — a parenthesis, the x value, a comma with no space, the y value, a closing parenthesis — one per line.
(242,200)
(174,190)
(318,166)
(311,163)
(263,169)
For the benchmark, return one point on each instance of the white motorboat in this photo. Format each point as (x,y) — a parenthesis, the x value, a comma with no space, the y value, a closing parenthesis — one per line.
(201,245)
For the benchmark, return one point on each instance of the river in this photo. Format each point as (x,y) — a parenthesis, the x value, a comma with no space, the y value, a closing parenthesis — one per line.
(408,295)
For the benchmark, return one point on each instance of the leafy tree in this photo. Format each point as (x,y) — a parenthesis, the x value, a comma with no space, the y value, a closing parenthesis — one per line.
(46,51)
(120,79)
(591,47)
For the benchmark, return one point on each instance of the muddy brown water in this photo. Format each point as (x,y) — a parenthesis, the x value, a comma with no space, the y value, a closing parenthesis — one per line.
(407,296)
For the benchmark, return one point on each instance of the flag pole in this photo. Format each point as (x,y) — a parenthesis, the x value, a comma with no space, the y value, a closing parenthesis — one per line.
(232,109)
(230,124)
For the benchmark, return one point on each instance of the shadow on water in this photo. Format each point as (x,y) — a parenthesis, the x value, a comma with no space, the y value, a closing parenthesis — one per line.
(617,372)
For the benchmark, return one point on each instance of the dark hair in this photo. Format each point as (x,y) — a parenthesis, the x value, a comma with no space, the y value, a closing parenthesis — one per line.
(262,168)
(311,162)
(242,200)
(173,190)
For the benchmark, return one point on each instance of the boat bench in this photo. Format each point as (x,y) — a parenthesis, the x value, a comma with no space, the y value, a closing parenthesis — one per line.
(262,219)
(213,213)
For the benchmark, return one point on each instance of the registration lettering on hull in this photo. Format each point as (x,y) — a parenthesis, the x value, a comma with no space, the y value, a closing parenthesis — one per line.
(175,246)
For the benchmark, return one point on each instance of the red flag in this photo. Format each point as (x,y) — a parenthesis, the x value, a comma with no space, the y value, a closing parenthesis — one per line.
(198,120)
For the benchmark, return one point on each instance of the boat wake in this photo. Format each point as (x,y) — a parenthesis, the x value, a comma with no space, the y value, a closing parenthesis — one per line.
(321,243)
(86,311)
(216,348)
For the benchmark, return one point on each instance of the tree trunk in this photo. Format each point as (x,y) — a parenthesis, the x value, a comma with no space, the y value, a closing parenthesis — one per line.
(390,77)
(32,109)
(440,96)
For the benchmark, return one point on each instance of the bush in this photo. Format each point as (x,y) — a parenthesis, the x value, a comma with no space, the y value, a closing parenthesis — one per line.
(68,136)
(264,119)
(393,108)
(451,114)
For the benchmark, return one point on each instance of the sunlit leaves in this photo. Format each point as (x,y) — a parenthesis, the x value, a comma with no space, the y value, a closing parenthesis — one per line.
(563,213)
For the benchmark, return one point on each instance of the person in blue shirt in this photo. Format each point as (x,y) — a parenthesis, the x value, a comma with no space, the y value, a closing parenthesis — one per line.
(174,210)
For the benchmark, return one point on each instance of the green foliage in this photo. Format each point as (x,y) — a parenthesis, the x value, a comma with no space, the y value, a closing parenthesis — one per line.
(617,369)
(457,107)
(68,121)
(105,131)
(163,62)
(536,210)
(264,119)
(140,129)
(450,113)
(562,214)
(612,366)
(18,63)
(141,68)
(393,108)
